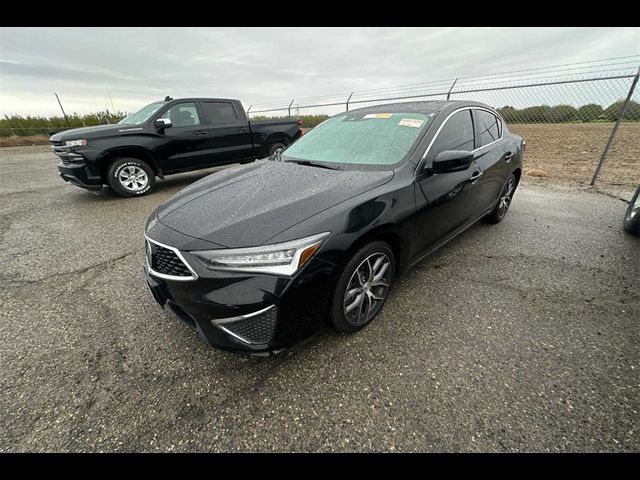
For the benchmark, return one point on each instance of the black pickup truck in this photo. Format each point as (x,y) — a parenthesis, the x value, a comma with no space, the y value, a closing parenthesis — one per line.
(165,137)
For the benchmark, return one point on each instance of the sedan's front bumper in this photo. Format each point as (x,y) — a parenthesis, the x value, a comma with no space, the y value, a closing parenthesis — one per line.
(246,312)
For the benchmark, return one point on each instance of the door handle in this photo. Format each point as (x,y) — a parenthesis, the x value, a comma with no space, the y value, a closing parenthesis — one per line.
(508,156)
(200,132)
(475,176)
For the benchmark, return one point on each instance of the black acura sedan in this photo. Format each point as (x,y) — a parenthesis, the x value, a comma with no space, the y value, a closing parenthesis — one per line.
(259,256)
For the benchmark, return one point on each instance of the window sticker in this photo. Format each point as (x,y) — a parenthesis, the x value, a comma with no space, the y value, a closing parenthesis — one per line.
(378,115)
(410,122)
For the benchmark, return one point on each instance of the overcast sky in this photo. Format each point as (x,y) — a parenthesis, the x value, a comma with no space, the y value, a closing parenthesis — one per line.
(258,65)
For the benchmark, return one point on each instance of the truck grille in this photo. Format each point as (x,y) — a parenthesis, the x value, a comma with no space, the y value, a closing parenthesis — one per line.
(256,328)
(166,261)
(66,155)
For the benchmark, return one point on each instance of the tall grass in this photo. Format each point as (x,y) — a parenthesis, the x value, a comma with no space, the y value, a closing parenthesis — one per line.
(308,121)
(17,125)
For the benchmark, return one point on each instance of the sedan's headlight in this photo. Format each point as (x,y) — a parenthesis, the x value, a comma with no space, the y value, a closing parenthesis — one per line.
(76,143)
(278,259)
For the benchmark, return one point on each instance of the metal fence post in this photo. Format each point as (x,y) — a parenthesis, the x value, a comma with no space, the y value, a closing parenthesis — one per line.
(65,115)
(248,110)
(453,85)
(348,101)
(615,128)
(292,100)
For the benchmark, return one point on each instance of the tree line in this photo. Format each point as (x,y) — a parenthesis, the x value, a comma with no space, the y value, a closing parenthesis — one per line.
(18,125)
(591,112)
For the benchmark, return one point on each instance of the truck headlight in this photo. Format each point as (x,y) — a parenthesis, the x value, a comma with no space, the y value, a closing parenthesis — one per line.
(278,258)
(76,143)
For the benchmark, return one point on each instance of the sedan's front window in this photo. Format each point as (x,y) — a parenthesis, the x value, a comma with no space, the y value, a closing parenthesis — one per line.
(376,140)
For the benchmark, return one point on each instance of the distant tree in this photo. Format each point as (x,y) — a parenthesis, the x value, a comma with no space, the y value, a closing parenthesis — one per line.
(632,112)
(590,112)
(308,121)
(539,114)
(562,113)
(510,114)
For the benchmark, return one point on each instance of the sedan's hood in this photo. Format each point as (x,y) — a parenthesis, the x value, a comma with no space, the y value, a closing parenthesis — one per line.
(247,205)
(96,131)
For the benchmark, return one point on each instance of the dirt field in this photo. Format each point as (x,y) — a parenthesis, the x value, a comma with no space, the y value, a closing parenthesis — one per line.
(569,153)
(27,141)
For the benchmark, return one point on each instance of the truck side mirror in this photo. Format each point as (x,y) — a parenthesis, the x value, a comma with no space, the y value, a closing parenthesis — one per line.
(162,123)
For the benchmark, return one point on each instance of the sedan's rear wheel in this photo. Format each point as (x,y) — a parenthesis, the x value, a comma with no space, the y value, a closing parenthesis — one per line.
(363,287)
(632,218)
(504,202)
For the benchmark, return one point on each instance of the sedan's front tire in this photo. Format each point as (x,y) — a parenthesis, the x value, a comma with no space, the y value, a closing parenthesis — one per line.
(363,287)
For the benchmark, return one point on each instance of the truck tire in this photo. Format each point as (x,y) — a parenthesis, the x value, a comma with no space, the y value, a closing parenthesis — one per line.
(274,147)
(130,177)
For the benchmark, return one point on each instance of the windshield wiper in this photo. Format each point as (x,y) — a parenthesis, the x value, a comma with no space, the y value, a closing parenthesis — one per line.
(314,164)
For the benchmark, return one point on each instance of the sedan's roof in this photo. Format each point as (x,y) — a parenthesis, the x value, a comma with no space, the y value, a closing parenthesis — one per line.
(429,106)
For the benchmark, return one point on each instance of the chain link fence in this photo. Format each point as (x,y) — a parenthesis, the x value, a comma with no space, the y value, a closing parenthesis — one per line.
(566,113)
(574,117)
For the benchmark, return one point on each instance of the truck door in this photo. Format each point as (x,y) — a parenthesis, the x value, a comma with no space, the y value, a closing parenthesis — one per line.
(184,146)
(227,133)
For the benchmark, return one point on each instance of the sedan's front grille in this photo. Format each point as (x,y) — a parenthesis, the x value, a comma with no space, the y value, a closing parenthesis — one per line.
(166,261)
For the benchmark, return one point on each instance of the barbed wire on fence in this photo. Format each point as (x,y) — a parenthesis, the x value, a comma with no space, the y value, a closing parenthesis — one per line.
(590,71)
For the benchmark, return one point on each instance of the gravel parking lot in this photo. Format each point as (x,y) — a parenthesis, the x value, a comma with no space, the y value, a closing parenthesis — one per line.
(518,337)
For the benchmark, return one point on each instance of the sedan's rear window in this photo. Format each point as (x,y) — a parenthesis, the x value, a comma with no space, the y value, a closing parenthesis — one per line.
(376,139)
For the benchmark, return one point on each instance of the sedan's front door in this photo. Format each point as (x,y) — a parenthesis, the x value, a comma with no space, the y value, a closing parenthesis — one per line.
(443,199)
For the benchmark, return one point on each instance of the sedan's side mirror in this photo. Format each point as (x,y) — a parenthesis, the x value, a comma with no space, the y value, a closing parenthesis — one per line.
(452,161)
(162,123)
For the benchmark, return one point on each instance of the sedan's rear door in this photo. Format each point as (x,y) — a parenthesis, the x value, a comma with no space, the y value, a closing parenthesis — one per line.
(493,155)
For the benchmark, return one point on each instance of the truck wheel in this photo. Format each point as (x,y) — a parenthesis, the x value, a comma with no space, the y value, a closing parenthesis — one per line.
(130,177)
(275,147)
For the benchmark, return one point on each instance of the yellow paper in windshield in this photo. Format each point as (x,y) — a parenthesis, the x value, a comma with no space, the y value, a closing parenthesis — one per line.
(378,115)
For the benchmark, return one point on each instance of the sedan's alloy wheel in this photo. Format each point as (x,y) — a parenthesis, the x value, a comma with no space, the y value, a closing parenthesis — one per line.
(505,198)
(367,289)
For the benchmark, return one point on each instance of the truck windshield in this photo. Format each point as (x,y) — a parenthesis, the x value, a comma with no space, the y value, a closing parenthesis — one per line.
(376,141)
(142,115)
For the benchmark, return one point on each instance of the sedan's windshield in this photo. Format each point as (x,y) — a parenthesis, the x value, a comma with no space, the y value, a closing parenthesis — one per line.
(370,140)
(142,115)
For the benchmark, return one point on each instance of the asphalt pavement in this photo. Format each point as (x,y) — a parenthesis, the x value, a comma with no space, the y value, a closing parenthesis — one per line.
(522,336)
